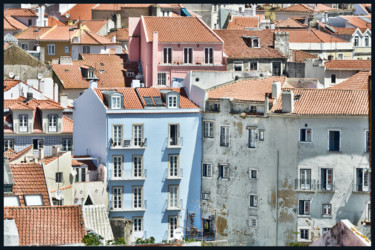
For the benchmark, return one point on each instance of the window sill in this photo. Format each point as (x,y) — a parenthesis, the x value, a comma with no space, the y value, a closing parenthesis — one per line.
(303,142)
(253,207)
(174,146)
(306,190)
(128,178)
(359,192)
(327,216)
(334,151)
(223,179)
(208,137)
(206,176)
(173,208)
(174,178)
(304,216)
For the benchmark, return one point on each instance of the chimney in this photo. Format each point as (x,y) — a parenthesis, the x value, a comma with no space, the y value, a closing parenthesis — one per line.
(118,21)
(55,150)
(254,6)
(266,106)
(325,17)
(281,42)
(41,153)
(225,105)
(64,101)
(114,39)
(93,84)
(287,101)
(136,83)
(276,89)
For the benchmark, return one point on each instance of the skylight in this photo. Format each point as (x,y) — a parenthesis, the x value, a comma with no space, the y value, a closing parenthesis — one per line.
(148,101)
(157,100)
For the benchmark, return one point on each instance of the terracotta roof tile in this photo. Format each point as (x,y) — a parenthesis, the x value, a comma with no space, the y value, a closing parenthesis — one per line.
(58,33)
(52,21)
(93,25)
(20,12)
(113,7)
(80,11)
(10,83)
(131,100)
(87,37)
(358,22)
(48,225)
(311,36)
(117,7)
(246,90)
(179,29)
(67,125)
(29,34)
(357,81)
(29,179)
(328,102)
(289,23)
(121,34)
(10,153)
(48,159)
(12,24)
(298,8)
(344,31)
(348,65)
(236,47)
(322,7)
(90,164)
(242,22)
(21,153)
(9,102)
(301,56)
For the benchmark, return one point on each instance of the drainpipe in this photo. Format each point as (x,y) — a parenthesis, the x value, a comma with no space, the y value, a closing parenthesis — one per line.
(277,198)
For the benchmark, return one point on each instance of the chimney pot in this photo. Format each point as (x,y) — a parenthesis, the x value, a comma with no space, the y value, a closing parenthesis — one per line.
(287,102)
(276,89)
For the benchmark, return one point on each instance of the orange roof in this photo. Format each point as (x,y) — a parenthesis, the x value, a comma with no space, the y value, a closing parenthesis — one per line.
(236,47)
(88,37)
(246,90)
(289,23)
(12,24)
(117,7)
(29,179)
(19,154)
(80,11)
(109,69)
(10,153)
(9,102)
(10,83)
(90,164)
(20,12)
(311,36)
(358,22)
(52,21)
(93,25)
(242,22)
(58,33)
(301,56)
(48,159)
(298,8)
(29,34)
(67,125)
(357,81)
(48,225)
(121,34)
(344,31)
(179,29)
(131,100)
(348,65)
(328,102)
(113,7)
(322,7)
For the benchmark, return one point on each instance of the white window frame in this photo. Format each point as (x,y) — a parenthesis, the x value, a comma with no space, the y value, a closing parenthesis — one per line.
(307,233)
(137,197)
(339,130)
(251,170)
(173,196)
(172,101)
(252,42)
(252,138)
(226,137)
(86,49)
(335,81)
(137,224)
(116,102)
(52,123)
(340,56)
(253,221)
(137,170)
(177,136)
(254,198)
(328,184)
(117,197)
(8,143)
(257,65)
(226,171)
(40,145)
(365,188)
(173,223)
(167,54)
(66,49)
(305,213)
(261,134)
(366,43)
(31,201)
(237,64)
(117,135)
(306,135)
(305,183)
(81,171)
(205,196)
(281,67)
(189,55)
(208,130)
(356,41)
(118,165)
(25,46)
(162,77)
(173,166)
(51,49)
(67,143)
(210,55)
(137,134)
(90,74)
(326,209)
(23,120)
(208,171)
(12,199)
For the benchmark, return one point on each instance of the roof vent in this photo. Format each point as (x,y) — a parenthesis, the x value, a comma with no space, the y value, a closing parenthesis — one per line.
(11,74)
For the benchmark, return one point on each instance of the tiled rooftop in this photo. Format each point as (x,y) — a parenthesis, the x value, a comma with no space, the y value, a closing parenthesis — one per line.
(93,25)
(87,37)
(67,125)
(289,23)
(348,65)
(179,29)
(358,22)
(90,164)
(12,24)
(357,81)
(121,34)
(20,153)
(331,102)
(10,83)
(301,56)
(298,8)
(311,36)
(80,11)
(242,22)
(20,12)
(52,21)
(246,90)
(48,225)
(236,47)
(10,153)
(58,33)
(29,34)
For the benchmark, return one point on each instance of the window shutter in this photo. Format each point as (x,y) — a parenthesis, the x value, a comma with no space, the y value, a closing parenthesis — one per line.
(301,207)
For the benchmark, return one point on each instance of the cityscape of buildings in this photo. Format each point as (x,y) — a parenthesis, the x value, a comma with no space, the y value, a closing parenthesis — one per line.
(187,124)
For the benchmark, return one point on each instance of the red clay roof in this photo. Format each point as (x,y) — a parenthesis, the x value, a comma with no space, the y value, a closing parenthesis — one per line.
(358,22)
(113,7)
(242,22)
(80,11)
(93,25)
(311,36)
(344,31)
(10,153)
(87,37)
(10,83)
(289,23)
(48,225)
(52,21)
(357,81)
(29,179)
(121,34)
(67,125)
(117,7)
(348,65)
(19,154)
(328,102)
(301,56)
(58,33)
(298,8)
(236,47)
(20,12)
(12,24)
(179,29)
(109,69)
(9,102)
(246,90)
(90,164)
(29,34)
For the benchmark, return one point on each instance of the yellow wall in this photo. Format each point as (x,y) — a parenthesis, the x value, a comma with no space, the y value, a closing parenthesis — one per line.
(364,53)
(60,49)
(347,55)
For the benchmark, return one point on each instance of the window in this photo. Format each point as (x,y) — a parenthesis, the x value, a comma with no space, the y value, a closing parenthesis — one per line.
(362,179)
(325,230)
(11,201)
(333,78)
(81,174)
(206,170)
(117,166)
(162,78)
(173,196)
(334,140)
(23,123)
(173,166)
(215,7)
(116,102)
(86,49)
(52,123)
(304,207)
(253,65)
(208,55)
(208,129)
(368,217)
(223,171)
(117,135)
(253,109)
(66,49)
(51,49)
(37,143)
(253,200)
(174,134)
(205,196)
(59,177)
(137,166)
(137,135)
(117,197)
(167,55)
(356,41)
(327,179)
(330,57)
(137,197)
(253,221)
(8,144)
(29,22)
(172,101)
(305,135)
(261,135)
(25,46)
(326,209)
(255,42)
(90,74)
(304,234)
(252,137)
(253,173)
(224,136)
(67,144)
(340,56)
(305,181)
(188,55)
(33,200)
(57,202)
(237,66)
(276,68)
(172,225)
(367,41)
(137,224)
(367,147)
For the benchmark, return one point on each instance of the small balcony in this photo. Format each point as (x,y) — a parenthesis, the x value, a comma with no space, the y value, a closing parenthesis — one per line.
(131,175)
(324,187)
(306,186)
(177,176)
(24,129)
(174,142)
(128,144)
(128,206)
(52,129)
(360,188)
(173,206)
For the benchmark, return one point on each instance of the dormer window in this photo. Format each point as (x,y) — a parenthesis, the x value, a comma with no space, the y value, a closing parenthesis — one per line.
(255,42)
(23,123)
(90,74)
(252,42)
(52,123)
(116,102)
(172,101)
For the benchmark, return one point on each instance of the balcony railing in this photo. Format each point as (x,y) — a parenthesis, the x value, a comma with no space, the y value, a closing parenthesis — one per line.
(302,185)
(176,142)
(179,175)
(172,206)
(128,144)
(326,187)
(128,206)
(130,175)
(361,188)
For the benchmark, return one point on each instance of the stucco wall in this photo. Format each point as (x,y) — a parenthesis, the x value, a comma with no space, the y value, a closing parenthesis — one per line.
(341,75)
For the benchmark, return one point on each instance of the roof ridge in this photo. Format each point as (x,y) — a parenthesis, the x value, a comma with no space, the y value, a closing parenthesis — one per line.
(20,153)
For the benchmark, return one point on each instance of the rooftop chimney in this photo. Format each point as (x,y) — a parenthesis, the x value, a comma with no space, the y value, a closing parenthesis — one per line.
(41,153)
(64,101)
(276,89)
(93,84)
(136,83)
(55,150)
(114,39)
(287,101)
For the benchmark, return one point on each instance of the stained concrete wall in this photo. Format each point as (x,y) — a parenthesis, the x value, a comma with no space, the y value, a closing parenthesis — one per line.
(263,64)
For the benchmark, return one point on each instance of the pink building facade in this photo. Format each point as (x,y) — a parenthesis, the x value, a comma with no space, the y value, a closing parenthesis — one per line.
(169,54)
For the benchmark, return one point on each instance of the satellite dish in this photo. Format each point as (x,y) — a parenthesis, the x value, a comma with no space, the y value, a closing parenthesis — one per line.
(59,195)
(11,74)
(40,75)
(67,15)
